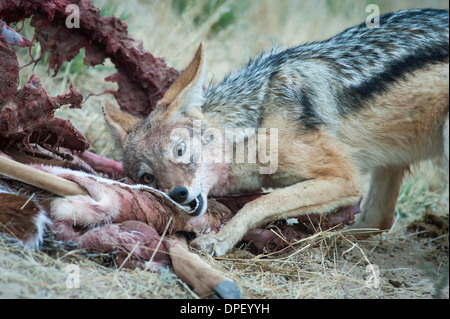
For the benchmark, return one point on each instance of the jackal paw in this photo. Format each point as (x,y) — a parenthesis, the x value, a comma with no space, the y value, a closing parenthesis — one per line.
(212,244)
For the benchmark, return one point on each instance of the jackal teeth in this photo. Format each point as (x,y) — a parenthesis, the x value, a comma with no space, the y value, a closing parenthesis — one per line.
(193,205)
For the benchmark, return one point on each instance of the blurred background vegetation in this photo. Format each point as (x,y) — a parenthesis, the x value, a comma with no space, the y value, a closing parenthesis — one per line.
(236,29)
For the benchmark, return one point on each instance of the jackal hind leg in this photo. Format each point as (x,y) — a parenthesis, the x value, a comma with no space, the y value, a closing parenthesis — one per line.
(379,205)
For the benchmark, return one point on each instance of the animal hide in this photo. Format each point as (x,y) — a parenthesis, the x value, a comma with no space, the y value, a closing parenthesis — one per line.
(142,79)
(131,219)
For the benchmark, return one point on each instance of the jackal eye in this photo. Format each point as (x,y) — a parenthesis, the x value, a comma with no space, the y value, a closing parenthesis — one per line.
(179,149)
(147,178)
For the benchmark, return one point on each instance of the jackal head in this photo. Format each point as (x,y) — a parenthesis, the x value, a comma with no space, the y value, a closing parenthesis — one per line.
(174,148)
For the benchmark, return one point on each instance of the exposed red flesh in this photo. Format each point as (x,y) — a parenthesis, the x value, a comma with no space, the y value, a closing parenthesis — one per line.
(142,78)
(26,115)
(280,234)
(153,208)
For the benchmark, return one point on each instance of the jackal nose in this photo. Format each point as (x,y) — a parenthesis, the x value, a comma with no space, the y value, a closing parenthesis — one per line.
(179,194)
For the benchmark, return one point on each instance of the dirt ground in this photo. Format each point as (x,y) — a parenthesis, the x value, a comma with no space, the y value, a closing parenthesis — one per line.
(410,264)
(384,266)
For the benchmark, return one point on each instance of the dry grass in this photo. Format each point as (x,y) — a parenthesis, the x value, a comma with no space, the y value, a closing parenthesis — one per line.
(327,265)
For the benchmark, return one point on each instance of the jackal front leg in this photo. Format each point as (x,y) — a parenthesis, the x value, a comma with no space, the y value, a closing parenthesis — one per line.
(320,195)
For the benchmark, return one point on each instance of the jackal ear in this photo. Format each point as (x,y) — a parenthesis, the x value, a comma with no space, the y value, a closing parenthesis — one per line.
(119,122)
(186,94)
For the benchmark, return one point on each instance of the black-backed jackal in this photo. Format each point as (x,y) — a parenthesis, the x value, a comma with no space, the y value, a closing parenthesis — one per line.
(307,121)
